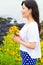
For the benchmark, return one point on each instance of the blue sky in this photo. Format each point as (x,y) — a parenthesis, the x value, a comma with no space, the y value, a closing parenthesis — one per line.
(12,8)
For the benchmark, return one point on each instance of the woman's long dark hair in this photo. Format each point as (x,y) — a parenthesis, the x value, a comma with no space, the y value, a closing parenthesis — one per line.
(31,4)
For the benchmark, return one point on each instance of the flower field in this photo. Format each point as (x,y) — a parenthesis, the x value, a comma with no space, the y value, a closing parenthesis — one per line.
(9,50)
(40,61)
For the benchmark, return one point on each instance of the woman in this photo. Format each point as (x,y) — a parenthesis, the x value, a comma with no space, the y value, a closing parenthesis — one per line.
(29,35)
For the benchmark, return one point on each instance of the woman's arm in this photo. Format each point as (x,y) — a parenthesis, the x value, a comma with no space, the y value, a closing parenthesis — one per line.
(31,45)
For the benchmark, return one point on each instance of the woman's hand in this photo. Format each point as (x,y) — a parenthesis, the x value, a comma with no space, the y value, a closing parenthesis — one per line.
(17,34)
(16,38)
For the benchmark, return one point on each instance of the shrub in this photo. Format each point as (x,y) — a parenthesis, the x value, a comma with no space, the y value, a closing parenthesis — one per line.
(9,52)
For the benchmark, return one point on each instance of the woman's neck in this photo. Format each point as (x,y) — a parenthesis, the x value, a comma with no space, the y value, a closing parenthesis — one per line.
(30,19)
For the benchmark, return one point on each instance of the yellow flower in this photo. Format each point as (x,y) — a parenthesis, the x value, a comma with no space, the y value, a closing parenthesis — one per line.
(18,55)
(41,43)
(13,29)
(12,53)
(41,59)
(17,48)
(18,59)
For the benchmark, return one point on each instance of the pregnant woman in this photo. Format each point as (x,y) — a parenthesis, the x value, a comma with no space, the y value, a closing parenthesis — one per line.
(28,37)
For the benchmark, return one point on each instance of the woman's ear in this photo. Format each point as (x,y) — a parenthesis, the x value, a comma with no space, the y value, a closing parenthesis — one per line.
(30,10)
